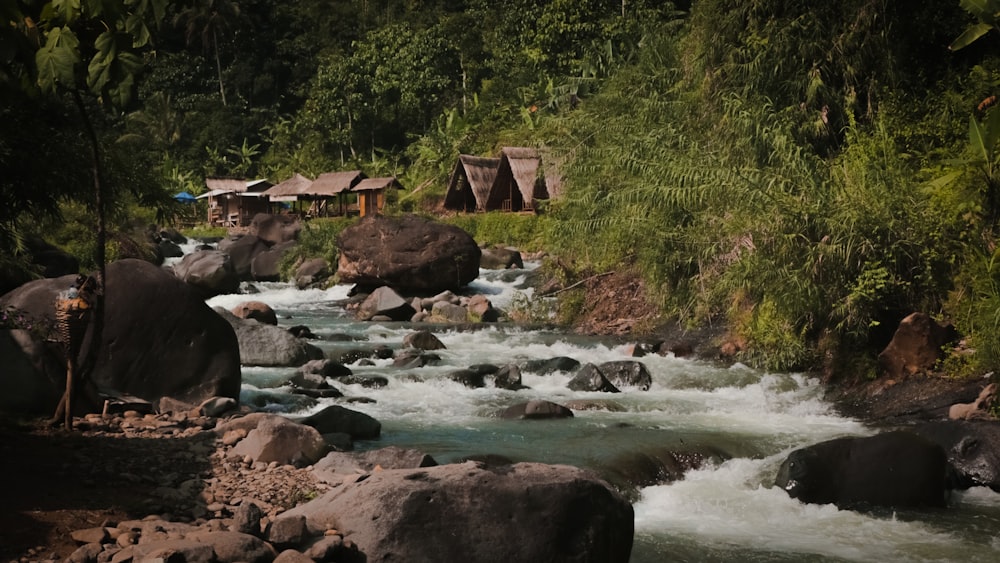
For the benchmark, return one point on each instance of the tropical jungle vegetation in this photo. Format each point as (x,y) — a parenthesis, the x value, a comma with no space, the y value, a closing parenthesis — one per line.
(808,173)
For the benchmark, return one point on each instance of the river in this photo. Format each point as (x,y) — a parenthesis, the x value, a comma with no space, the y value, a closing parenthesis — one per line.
(725,511)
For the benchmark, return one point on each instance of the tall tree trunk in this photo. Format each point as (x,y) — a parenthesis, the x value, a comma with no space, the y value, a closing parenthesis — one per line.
(74,369)
(218,65)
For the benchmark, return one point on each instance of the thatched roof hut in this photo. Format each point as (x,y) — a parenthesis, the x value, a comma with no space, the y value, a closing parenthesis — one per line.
(470,184)
(290,189)
(517,185)
(333,183)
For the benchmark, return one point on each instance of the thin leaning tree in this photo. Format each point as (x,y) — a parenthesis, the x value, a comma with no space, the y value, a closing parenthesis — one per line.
(83,50)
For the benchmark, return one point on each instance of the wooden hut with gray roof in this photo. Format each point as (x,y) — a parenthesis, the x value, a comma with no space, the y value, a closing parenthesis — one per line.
(471,182)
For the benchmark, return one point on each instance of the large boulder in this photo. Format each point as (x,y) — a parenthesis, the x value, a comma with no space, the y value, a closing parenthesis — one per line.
(266,266)
(889,470)
(337,465)
(500,258)
(275,229)
(916,346)
(242,252)
(268,345)
(32,376)
(279,439)
(210,271)
(159,337)
(407,252)
(973,449)
(465,512)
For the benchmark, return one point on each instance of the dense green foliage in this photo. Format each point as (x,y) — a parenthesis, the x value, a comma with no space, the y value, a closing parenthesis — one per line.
(807,173)
(318,239)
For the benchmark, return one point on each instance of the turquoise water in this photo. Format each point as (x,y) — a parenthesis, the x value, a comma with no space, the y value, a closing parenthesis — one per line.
(725,511)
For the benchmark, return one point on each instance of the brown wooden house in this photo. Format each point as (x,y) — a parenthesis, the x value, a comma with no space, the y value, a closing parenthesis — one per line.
(471,182)
(329,186)
(372,194)
(233,202)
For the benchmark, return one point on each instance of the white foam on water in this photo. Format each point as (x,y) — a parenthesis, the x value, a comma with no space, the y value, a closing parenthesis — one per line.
(734,505)
(284,296)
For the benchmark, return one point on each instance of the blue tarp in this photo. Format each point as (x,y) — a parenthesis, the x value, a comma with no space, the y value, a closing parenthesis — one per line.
(185,197)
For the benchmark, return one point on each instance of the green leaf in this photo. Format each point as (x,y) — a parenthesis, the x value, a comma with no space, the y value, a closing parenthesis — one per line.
(977,140)
(100,68)
(57,59)
(66,10)
(969,35)
(982,9)
(136,27)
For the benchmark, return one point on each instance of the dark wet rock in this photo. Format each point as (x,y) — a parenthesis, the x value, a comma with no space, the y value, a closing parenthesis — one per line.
(972,447)
(508,377)
(366,381)
(242,251)
(354,355)
(591,378)
(889,470)
(627,374)
(537,409)
(339,419)
(551,365)
(266,266)
(424,340)
(170,249)
(325,368)
(411,358)
(302,331)
(500,258)
(468,378)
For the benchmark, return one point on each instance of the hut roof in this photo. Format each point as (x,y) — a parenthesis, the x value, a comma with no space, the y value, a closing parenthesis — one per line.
(259,185)
(518,166)
(479,172)
(333,183)
(377,184)
(289,189)
(524,164)
(226,185)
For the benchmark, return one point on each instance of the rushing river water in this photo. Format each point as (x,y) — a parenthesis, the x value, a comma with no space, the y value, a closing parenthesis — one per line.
(725,511)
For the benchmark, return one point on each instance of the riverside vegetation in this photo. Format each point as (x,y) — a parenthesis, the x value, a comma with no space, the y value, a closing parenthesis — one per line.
(806,175)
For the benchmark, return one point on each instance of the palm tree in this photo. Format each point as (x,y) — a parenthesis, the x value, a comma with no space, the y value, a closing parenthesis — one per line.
(208,19)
